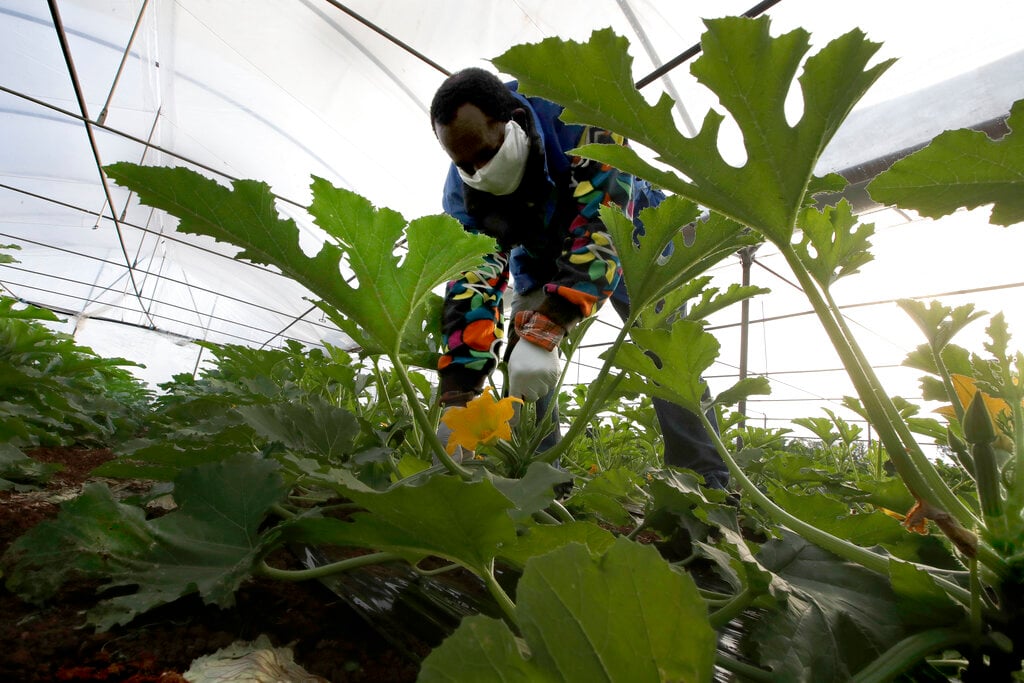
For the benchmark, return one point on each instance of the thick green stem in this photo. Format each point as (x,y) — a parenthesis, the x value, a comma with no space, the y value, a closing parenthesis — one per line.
(561,512)
(281,511)
(914,468)
(500,596)
(731,609)
(265,569)
(909,651)
(823,539)
(422,419)
(976,593)
(1015,496)
(746,672)
(439,570)
(947,500)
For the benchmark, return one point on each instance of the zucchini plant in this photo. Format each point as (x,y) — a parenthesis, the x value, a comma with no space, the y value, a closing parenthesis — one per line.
(816,592)
(773,194)
(54,391)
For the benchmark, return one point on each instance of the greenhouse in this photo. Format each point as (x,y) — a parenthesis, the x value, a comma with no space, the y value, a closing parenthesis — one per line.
(229,269)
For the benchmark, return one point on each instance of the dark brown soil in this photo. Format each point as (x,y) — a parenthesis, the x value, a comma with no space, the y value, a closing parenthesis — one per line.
(52,643)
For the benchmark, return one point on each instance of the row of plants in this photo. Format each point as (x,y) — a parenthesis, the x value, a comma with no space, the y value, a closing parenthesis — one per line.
(813,573)
(55,392)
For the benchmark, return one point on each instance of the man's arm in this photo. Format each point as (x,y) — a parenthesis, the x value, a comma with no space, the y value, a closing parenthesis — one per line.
(472,328)
(588,269)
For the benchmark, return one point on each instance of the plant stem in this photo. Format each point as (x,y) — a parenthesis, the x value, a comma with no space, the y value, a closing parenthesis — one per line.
(561,512)
(975,618)
(747,672)
(914,468)
(731,609)
(265,569)
(1015,497)
(434,572)
(600,389)
(501,597)
(908,652)
(281,511)
(838,546)
(426,427)
(544,517)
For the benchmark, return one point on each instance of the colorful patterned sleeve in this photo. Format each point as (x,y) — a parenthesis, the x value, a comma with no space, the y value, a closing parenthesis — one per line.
(472,325)
(588,268)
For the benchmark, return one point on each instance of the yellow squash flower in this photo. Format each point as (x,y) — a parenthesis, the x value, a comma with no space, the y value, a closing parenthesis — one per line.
(965,388)
(483,421)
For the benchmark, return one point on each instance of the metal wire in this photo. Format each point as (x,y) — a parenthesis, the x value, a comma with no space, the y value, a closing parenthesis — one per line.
(76,84)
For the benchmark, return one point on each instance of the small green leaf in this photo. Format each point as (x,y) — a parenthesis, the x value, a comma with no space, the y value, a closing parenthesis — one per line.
(961,168)
(533,491)
(683,353)
(750,386)
(607,493)
(821,427)
(540,539)
(18,471)
(312,426)
(7,258)
(649,624)
(939,323)
(829,246)
(662,258)
(8,310)
(714,300)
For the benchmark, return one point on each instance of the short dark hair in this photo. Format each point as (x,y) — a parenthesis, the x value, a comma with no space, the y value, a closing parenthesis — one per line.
(473,86)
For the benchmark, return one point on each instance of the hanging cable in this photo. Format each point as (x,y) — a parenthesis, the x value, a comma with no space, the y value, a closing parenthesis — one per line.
(124,60)
(670,88)
(689,53)
(73,74)
(284,329)
(184,323)
(169,279)
(377,29)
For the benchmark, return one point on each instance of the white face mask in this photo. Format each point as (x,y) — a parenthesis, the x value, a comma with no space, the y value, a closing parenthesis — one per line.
(503,173)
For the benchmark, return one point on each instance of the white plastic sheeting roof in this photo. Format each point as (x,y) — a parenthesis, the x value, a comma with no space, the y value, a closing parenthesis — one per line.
(278,90)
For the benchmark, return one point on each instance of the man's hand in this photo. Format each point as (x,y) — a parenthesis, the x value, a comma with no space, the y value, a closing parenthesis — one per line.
(532,370)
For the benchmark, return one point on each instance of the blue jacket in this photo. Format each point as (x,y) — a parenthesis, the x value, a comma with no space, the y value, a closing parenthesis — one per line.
(550,236)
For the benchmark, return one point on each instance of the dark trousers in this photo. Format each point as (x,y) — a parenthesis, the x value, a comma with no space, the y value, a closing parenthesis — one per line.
(687,443)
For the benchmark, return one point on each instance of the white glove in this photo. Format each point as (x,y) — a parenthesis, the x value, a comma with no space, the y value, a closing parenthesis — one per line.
(532,371)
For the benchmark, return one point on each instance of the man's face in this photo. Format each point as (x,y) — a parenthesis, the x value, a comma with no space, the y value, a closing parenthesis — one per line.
(472,138)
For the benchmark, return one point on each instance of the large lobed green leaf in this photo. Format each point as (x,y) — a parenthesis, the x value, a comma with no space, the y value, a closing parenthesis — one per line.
(20,472)
(752,74)
(837,617)
(962,168)
(465,522)
(832,244)
(208,545)
(673,360)
(313,426)
(662,258)
(389,288)
(622,616)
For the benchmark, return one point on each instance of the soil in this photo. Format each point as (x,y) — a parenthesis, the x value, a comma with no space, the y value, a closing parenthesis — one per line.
(53,643)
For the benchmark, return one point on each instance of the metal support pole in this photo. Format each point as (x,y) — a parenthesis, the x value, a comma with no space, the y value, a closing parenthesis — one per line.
(746,261)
